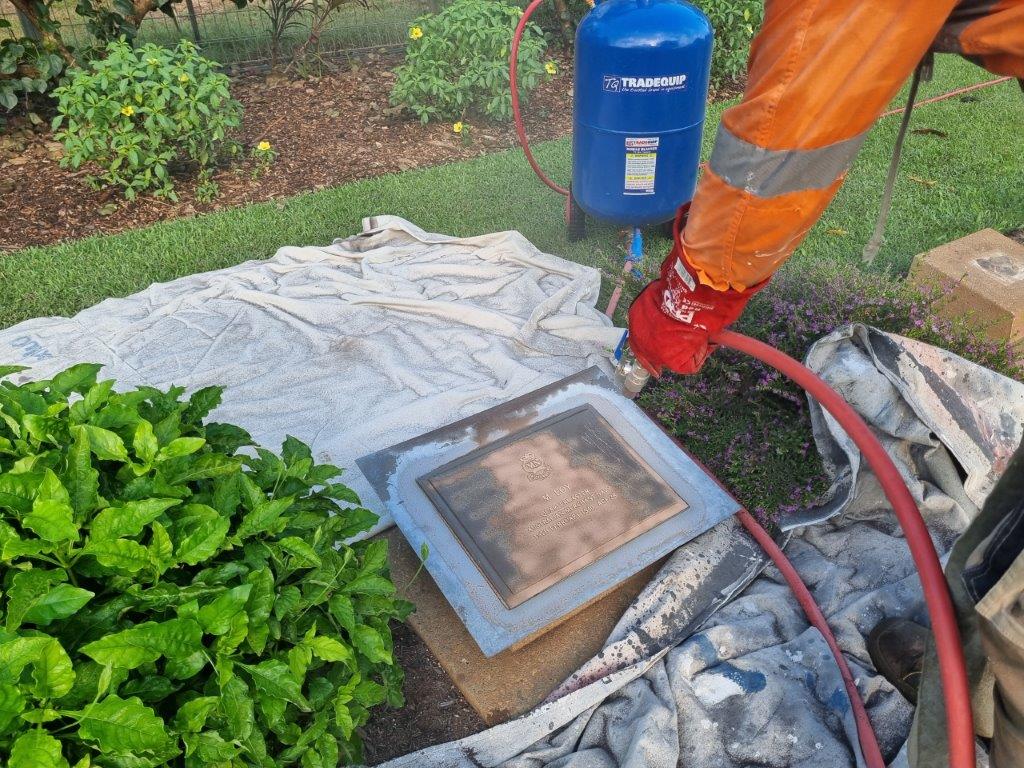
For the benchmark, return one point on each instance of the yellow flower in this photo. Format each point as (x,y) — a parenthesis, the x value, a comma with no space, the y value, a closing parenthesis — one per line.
(263,146)
(127,110)
(457,127)
(416,33)
(551,68)
(182,78)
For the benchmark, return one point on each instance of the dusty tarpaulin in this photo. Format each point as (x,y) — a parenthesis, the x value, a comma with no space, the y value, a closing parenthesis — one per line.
(351,347)
(753,684)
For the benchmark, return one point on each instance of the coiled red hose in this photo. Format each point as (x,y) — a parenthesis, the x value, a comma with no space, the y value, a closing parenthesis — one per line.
(952,669)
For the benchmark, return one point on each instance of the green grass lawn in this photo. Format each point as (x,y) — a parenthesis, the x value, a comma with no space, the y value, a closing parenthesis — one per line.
(977,169)
(965,173)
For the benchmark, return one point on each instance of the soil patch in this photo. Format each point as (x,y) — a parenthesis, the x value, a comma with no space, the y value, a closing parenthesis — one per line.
(326,131)
(434,711)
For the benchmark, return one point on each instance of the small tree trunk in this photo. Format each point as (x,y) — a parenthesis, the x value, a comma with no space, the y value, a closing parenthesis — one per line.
(564,17)
(313,41)
(41,31)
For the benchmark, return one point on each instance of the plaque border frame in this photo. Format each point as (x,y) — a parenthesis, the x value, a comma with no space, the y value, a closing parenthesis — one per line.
(508,596)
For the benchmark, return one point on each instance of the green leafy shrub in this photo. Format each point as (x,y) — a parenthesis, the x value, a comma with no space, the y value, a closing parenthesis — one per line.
(25,67)
(457,61)
(135,113)
(170,601)
(735,23)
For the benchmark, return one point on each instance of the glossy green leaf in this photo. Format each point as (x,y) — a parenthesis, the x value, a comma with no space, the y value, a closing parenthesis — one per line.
(200,467)
(329,649)
(104,444)
(374,557)
(343,612)
(26,590)
(145,443)
(185,667)
(193,714)
(236,705)
(129,519)
(12,704)
(210,748)
(368,641)
(264,517)
(122,725)
(58,602)
(202,402)
(38,716)
(51,521)
(120,554)
(203,539)
(273,678)
(52,671)
(370,585)
(259,606)
(181,446)
(161,548)
(288,600)
(80,478)
(17,491)
(36,749)
(96,396)
(303,555)
(77,378)
(130,648)
(216,617)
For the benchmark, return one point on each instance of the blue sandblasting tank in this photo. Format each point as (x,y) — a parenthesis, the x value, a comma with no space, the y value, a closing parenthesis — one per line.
(640,91)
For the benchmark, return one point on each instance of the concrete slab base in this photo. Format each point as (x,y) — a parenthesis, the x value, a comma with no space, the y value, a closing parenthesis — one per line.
(518,679)
(981,280)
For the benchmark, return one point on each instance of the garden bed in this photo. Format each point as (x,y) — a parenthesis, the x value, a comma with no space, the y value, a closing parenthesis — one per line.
(325,131)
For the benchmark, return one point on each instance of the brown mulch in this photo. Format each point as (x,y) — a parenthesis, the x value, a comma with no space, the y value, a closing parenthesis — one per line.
(326,131)
(434,711)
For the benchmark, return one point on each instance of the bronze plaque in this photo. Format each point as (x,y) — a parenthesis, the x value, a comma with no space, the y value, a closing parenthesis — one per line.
(540,504)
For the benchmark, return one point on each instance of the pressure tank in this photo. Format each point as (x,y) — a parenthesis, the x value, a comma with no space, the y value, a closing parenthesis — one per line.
(641,86)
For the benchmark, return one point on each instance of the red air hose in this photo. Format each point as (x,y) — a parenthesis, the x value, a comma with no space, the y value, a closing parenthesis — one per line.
(952,671)
(513,75)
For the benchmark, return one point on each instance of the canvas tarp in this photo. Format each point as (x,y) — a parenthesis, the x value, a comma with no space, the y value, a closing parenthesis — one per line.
(351,347)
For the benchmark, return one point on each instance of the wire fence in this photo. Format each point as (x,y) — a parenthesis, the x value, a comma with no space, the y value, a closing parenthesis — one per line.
(246,36)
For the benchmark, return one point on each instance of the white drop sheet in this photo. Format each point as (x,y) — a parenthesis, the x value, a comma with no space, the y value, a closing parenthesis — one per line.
(351,347)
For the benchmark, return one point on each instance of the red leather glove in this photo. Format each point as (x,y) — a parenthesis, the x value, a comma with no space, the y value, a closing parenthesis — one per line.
(670,322)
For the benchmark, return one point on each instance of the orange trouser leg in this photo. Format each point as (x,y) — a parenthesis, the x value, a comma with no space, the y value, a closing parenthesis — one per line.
(988,32)
(821,71)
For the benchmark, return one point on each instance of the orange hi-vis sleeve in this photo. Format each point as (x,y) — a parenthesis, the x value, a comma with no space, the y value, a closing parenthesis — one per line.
(989,32)
(820,73)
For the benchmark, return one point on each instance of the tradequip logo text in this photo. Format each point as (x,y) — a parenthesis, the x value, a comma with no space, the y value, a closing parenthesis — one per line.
(622,84)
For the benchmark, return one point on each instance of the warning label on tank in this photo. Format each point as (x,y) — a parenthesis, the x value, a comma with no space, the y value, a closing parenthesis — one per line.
(641,164)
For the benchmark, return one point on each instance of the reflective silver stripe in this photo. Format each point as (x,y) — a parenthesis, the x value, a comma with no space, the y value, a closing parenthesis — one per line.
(771,172)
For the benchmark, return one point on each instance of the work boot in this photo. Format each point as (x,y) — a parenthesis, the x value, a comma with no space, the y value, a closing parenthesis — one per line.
(896,646)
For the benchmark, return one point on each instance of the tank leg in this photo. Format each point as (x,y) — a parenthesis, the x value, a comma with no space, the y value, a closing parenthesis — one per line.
(575,220)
